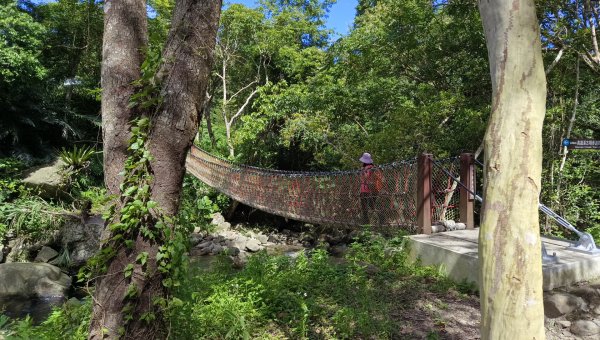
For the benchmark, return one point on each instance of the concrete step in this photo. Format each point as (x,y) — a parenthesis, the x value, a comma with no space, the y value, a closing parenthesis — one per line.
(456,253)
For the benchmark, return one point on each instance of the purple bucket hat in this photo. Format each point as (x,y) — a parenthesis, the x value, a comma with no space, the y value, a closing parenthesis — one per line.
(366,158)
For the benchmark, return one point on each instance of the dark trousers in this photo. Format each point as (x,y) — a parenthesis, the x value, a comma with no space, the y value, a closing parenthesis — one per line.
(367,204)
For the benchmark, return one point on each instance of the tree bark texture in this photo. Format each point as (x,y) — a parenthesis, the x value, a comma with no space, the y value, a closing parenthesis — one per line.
(187,61)
(188,58)
(125,37)
(509,239)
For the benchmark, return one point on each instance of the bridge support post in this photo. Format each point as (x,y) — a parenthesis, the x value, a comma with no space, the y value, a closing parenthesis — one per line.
(467,178)
(424,167)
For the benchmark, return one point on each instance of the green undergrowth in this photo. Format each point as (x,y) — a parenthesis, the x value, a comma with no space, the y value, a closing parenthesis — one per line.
(312,296)
(69,322)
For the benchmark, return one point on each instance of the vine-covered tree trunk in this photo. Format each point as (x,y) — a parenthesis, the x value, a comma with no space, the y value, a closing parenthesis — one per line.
(509,239)
(183,75)
(125,37)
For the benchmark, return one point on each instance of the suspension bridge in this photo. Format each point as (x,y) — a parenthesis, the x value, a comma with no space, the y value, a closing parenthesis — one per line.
(422,196)
(409,194)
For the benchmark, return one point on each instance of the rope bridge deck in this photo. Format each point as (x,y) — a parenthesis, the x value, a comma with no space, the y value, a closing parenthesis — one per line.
(331,198)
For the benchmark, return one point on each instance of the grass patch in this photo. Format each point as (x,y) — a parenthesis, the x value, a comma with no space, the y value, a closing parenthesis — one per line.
(313,296)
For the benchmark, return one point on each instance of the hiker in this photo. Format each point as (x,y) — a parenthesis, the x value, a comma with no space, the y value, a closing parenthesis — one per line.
(370,185)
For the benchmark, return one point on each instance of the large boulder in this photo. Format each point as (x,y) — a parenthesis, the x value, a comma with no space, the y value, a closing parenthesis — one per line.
(33,280)
(47,180)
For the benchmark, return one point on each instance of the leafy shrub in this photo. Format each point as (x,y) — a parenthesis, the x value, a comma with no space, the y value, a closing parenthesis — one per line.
(69,322)
(300,297)
(199,203)
(10,185)
(98,197)
(77,158)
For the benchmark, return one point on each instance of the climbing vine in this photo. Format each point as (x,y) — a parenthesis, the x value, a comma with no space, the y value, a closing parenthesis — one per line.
(139,215)
(136,215)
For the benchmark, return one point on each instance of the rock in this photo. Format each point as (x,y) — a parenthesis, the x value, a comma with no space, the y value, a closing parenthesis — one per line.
(324,246)
(46,254)
(195,239)
(240,260)
(586,292)
(73,302)
(596,310)
(82,238)
(253,245)
(339,250)
(262,238)
(18,251)
(1,253)
(370,269)
(233,251)
(216,249)
(585,328)
(449,224)
(199,251)
(333,240)
(217,219)
(32,280)
(239,242)
(353,236)
(307,239)
(559,304)
(564,323)
(47,180)
(460,226)
(205,244)
(437,228)
(223,227)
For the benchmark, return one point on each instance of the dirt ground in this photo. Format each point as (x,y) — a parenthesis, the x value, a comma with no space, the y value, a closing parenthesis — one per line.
(456,316)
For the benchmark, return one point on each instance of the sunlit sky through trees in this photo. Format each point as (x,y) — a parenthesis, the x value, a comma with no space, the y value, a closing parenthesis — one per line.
(339,19)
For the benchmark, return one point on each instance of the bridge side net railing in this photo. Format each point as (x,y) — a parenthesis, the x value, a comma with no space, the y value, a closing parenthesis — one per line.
(445,191)
(331,198)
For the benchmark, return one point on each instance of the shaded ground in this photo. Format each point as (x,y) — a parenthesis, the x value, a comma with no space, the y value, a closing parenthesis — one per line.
(449,315)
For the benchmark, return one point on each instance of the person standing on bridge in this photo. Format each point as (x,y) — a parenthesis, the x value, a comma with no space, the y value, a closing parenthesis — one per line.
(370,184)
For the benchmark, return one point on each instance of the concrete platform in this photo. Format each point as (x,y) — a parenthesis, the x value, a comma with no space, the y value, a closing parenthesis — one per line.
(456,252)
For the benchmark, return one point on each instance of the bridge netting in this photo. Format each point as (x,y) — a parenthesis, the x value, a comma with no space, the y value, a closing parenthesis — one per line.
(330,198)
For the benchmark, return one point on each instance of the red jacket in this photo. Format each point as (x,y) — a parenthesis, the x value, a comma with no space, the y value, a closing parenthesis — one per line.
(366,179)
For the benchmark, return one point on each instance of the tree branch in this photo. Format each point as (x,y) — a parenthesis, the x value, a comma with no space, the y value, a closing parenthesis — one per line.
(241,110)
(556,60)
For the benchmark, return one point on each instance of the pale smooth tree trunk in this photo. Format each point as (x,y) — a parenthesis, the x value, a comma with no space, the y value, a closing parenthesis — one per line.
(509,239)
(183,77)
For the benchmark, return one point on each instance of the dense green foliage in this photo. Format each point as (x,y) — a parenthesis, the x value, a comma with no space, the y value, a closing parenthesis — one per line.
(411,76)
(311,296)
(276,296)
(49,75)
(70,322)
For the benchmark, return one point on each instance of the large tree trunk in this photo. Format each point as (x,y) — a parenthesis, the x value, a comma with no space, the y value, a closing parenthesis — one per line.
(187,61)
(509,239)
(125,37)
